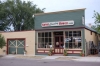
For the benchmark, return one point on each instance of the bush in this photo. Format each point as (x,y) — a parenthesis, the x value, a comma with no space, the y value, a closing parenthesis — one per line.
(65,53)
(2,41)
(50,52)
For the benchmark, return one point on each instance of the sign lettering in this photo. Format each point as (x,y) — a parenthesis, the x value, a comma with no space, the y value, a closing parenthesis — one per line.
(60,23)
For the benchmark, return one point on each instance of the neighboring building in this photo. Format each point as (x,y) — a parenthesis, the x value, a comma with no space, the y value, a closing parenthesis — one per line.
(63,30)
(19,42)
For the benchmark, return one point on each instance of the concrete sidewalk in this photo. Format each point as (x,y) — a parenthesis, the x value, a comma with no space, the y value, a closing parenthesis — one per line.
(88,59)
(65,58)
(74,58)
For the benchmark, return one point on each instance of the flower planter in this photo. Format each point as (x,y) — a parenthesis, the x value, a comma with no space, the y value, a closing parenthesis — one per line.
(65,55)
(82,55)
(50,54)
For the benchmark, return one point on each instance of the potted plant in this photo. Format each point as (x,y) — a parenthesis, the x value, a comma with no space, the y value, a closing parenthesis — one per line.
(50,52)
(82,54)
(65,53)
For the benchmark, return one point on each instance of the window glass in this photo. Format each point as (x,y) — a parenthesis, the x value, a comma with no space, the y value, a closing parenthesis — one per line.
(73,39)
(49,34)
(39,39)
(41,45)
(70,33)
(79,33)
(42,34)
(74,33)
(46,34)
(39,34)
(44,40)
(49,40)
(66,33)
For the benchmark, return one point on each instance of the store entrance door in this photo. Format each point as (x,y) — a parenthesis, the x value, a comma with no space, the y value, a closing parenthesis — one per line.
(59,44)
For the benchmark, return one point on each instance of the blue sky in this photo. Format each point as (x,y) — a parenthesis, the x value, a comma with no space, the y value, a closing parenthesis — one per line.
(60,5)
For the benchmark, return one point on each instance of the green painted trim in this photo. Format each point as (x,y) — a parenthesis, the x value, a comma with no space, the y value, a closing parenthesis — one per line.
(83,40)
(73,10)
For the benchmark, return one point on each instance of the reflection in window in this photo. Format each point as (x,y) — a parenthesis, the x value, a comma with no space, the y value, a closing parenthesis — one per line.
(44,40)
(73,39)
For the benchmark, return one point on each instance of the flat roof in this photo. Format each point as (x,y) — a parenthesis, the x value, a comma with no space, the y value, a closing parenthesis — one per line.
(60,11)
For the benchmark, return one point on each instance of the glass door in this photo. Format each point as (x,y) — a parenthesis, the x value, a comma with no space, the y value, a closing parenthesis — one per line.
(59,42)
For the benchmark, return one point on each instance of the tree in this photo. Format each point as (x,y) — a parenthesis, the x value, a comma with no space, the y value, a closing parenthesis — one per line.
(97,21)
(94,27)
(3,24)
(2,41)
(18,14)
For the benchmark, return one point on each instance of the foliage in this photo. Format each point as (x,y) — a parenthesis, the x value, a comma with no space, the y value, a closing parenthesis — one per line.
(65,53)
(97,21)
(3,23)
(50,52)
(94,27)
(2,41)
(18,14)
(82,53)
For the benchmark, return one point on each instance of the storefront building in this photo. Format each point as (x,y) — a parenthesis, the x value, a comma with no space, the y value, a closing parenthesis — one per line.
(62,30)
(57,31)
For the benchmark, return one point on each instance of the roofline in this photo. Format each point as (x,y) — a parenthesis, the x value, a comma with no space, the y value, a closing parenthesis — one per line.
(16,31)
(60,11)
(90,30)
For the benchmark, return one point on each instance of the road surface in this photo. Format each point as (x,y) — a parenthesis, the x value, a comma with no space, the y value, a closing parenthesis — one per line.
(31,62)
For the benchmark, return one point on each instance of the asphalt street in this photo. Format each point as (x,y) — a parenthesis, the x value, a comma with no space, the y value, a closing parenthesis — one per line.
(30,62)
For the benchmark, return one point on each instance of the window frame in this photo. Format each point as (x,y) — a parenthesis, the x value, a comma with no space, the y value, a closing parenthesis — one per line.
(49,37)
(67,46)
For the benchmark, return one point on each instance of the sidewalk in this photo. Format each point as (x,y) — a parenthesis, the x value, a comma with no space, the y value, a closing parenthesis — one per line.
(88,59)
(60,58)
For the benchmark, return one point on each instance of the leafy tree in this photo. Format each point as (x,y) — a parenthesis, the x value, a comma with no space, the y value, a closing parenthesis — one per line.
(2,41)
(3,24)
(93,27)
(97,21)
(18,14)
